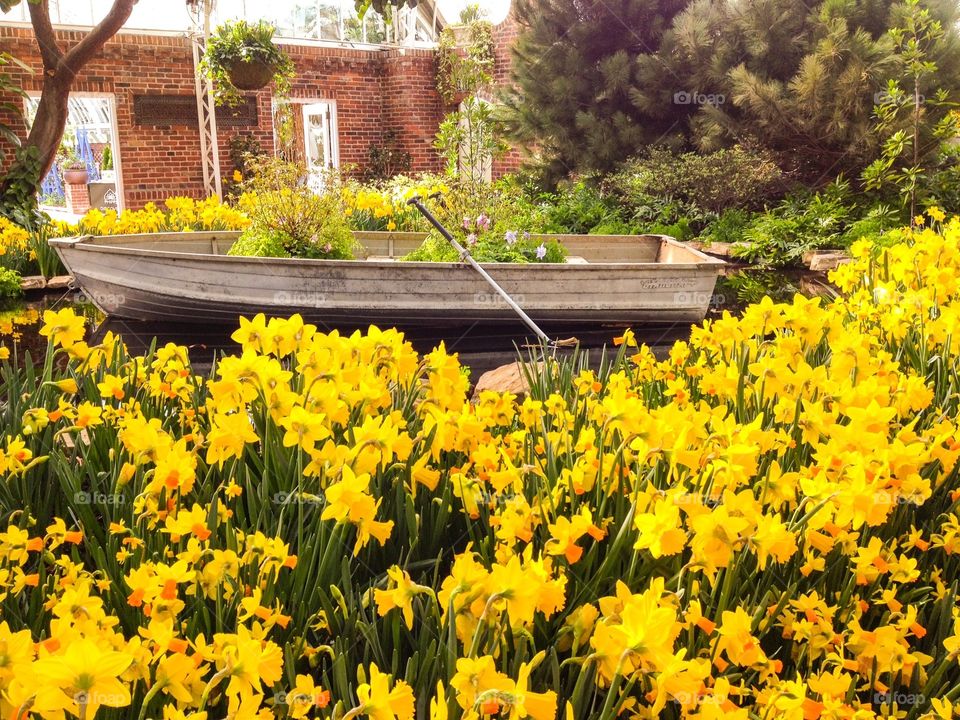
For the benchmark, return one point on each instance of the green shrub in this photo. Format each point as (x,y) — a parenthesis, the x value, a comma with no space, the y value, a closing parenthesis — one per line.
(488,247)
(945,183)
(871,226)
(278,198)
(259,243)
(735,177)
(729,227)
(615,227)
(578,208)
(9,284)
(798,224)
(682,229)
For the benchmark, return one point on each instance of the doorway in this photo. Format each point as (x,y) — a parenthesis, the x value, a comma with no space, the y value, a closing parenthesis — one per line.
(318,142)
(305,131)
(91,140)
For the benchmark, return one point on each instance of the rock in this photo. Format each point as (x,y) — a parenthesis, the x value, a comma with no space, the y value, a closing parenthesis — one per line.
(720,249)
(831,260)
(60,282)
(506,378)
(33,282)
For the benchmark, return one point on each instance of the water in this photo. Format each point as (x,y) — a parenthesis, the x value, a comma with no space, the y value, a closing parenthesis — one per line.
(481,347)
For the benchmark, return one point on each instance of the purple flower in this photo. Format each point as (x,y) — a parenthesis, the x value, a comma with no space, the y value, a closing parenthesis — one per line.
(510,236)
(483,222)
(466,223)
(526,235)
(327,248)
(471,239)
(541,251)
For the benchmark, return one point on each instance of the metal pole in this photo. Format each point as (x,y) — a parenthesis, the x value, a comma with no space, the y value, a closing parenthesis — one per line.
(465,256)
(206,107)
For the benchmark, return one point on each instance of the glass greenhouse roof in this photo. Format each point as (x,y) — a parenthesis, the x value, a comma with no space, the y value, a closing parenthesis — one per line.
(295,19)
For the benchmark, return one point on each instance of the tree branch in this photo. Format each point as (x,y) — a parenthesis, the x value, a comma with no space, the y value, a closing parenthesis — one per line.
(50,52)
(81,53)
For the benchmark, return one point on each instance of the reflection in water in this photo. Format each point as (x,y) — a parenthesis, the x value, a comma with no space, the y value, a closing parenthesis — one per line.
(481,346)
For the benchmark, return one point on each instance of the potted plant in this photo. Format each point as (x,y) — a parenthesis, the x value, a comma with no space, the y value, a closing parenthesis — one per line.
(242,56)
(73,167)
(106,165)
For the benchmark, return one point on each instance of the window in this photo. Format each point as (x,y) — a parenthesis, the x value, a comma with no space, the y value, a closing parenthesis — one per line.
(91,134)
(309,19)
(306,132)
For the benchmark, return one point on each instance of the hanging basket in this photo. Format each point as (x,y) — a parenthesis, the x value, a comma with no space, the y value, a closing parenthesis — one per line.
(458,97)
(250,74)
(75,176)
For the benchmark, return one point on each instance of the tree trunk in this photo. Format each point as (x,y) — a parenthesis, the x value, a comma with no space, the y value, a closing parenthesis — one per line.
(60,69)
(50,122)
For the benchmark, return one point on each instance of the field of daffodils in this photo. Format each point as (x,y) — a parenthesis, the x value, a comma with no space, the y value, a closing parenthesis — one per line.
(765,524)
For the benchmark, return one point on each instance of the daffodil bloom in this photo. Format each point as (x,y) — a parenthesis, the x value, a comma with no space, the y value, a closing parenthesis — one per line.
(380,701)
(86,676)
(63,327)
(400,595)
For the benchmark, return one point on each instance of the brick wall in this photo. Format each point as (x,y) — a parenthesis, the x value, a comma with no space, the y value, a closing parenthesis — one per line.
(411,105)
(375,90)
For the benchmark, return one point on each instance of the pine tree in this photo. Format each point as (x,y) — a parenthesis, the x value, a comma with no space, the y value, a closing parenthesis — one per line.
(573,73)
(596,83)
(811,92)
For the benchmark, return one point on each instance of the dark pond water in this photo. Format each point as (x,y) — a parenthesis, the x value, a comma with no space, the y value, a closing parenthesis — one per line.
(481,347)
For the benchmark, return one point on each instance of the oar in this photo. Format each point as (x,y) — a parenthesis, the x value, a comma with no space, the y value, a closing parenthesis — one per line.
(466,257)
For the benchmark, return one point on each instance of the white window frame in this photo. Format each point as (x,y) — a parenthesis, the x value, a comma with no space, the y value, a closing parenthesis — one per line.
(115,150)
(334,122)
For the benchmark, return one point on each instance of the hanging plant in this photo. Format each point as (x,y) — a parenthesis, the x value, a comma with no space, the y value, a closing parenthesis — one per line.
(242,56)
(381,7)
(463,69)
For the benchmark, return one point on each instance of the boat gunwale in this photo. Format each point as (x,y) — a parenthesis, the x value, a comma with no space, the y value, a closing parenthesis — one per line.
(89,243)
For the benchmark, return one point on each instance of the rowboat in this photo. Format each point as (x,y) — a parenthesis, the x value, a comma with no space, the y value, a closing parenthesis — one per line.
(189,278)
